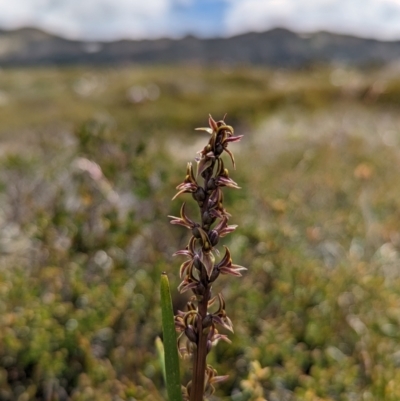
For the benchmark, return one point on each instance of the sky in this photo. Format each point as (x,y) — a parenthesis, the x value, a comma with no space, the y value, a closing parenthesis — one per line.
(147,19)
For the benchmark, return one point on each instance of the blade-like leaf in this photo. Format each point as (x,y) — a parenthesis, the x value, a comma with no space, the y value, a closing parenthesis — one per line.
(160,353)
(170,345)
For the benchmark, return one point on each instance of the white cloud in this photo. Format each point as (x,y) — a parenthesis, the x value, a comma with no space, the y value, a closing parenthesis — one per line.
(105,19)
(113,19)
(369,18)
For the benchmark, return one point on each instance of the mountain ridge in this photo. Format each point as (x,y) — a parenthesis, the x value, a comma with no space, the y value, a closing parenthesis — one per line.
(278,47)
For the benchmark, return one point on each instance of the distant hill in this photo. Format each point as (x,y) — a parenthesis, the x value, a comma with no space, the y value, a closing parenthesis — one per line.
(278,47)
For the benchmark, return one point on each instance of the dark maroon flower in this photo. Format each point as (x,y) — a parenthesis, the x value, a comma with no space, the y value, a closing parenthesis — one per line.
(221,136)
(184,220)
(222,177)
(189,184)
(226,266)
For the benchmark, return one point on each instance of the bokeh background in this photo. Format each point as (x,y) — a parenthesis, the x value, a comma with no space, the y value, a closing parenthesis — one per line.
(90,157)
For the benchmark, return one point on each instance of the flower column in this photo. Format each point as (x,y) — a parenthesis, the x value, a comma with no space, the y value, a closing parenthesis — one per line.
(197,325)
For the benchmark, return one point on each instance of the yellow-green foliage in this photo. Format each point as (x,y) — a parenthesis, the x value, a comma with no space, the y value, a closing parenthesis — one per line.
(89,162)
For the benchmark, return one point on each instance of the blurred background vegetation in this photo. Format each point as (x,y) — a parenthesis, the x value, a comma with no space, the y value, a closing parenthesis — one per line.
(90,158)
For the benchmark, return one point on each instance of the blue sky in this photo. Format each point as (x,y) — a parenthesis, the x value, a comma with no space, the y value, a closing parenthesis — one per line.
(114,19)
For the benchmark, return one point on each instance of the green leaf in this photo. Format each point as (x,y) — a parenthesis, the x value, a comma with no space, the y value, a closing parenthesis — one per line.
(172,371)
(160,353)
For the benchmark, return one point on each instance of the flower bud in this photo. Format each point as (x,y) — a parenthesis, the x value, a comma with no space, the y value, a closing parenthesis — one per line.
(207,218)
(207,321)
(191,334)
(214,237)
(196,232)
(199,289)
(211,184)
(197,263)
(199,195)
(219,148)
